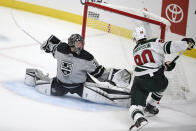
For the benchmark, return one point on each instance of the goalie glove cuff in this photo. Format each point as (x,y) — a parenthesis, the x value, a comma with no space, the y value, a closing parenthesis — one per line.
(50,44)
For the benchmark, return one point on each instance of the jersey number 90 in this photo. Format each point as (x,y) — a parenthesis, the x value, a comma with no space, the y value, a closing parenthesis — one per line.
(145,57)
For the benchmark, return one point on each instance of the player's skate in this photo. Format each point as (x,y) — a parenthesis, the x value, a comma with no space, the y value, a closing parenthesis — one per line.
(140,122)
(33,75)
(151,110)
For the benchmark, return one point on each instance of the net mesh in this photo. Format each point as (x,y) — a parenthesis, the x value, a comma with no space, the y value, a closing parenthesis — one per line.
(114,29)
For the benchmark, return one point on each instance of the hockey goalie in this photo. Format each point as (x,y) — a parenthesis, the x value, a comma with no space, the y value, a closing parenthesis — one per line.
(76,70)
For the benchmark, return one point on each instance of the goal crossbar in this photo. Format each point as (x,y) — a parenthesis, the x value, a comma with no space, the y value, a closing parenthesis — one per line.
(85,13)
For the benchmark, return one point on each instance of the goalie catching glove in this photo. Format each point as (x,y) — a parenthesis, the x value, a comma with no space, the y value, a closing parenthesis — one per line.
(190,42)
(119,77)
(50,44)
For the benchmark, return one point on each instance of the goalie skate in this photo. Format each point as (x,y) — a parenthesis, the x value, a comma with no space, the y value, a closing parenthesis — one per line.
(140,123)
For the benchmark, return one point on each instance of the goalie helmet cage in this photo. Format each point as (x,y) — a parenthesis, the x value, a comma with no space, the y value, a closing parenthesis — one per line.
(121,21)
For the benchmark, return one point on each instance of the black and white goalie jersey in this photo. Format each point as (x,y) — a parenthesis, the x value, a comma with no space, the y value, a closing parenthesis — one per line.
(72,68)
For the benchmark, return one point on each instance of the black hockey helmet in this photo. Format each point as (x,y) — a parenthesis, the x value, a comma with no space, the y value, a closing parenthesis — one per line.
(75,38)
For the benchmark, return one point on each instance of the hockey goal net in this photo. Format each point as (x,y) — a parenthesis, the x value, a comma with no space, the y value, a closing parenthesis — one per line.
(108,29)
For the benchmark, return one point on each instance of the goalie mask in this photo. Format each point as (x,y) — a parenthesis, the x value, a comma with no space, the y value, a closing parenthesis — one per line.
(139,33)
(73,40)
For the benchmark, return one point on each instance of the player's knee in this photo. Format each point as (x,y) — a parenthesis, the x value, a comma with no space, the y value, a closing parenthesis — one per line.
(163,84)
(57,89)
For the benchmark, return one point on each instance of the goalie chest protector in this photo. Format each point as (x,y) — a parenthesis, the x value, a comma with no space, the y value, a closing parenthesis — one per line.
(71,67)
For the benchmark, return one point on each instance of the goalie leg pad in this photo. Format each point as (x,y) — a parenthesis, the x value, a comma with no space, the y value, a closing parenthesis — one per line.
(103,94)
(32,75)
(95,95)
(43,87)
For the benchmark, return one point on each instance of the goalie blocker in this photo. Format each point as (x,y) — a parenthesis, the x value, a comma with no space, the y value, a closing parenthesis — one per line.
(91,91)
(119,77)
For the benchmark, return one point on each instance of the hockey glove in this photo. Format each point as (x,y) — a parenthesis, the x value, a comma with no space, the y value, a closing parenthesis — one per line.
(169,66)
(145,13)
(119,77)
(190,42)
(50,44)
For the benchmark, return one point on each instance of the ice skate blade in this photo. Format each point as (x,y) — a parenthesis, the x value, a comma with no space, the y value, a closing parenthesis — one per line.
(138,128)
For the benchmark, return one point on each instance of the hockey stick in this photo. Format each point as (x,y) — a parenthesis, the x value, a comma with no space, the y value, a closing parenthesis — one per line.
(24,31)
(174,60)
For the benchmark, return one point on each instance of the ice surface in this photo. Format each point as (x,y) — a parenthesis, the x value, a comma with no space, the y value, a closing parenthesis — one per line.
(23,109)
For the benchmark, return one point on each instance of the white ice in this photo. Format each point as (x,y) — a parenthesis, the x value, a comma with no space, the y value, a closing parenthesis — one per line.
(20,113)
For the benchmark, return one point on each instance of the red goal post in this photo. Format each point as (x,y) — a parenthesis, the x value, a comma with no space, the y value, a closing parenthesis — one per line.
(113,25)
(123,13)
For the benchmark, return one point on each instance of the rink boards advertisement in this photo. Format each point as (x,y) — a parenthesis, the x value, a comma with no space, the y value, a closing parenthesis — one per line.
(75,7)
(73,11)
(176,12)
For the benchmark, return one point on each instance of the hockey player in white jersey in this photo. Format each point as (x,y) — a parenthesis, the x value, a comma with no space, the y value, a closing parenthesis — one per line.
(149,56)
(74,68)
